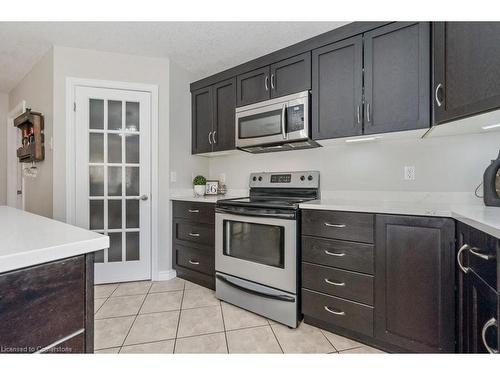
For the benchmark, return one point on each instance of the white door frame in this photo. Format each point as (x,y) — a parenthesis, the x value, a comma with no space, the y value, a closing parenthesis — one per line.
(13,165)
(71,84)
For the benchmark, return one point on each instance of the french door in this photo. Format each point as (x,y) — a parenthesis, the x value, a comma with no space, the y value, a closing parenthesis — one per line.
(113,177)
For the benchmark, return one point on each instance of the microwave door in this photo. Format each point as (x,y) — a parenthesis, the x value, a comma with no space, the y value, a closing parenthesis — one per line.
(263,125)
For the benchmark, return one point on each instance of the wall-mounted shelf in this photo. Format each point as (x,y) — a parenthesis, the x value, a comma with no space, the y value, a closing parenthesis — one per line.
(31,125)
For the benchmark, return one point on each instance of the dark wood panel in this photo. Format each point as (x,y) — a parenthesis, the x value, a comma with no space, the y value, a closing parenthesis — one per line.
(467,66)
(42,304)
(194,233)
(208,281)
(333,36)
(351,256)
(397,77)
(414,284)
(194,211)
(224,95)
(195,260)
(354,286)
(350,226)
(253,86)
(89,306)
(75,345)
(356,317)
(337,88)
(201,121)
(291,75)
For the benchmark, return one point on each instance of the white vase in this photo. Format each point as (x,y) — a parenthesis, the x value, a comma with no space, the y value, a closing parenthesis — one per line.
(199,190)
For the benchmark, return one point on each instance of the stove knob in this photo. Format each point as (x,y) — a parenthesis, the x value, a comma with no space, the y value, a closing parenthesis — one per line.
(302,178)
(260,178)
(310,177)
(254,178)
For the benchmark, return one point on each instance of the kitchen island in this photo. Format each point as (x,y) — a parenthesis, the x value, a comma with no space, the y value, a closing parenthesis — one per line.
(46,284)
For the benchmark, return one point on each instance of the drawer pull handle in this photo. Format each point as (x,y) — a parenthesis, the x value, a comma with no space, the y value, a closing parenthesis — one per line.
(334,312)
(490,323)
(194,234)
(474,251)
(335,225)
(334,254)
(336,283)
(194,211)
(459,258)
(195,262)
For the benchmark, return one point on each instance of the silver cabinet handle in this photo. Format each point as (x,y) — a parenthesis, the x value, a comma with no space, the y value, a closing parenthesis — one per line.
(490,323)
(334,283)
(210,137)
(335,225)
(358,114)
(194,211)
(283,121)
(194,234)
(266,83)
(474,251)
(459,258)
(194,262)
(334,312)
(438,102)
(143,197)
(272,81)
(368,112)
(213,136)
(334,254)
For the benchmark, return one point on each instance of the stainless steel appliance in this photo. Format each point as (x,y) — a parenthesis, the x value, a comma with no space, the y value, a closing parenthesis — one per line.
(257,244)
(278,124)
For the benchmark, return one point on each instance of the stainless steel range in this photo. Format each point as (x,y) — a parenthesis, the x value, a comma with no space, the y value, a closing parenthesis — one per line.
(257,244)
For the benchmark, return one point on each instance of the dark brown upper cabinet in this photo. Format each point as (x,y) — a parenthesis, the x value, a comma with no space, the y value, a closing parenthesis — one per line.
(466,69)
(337,89)
(213,117)
(202,119)
(282,78)
(397,77)
(224,97)
(414,283)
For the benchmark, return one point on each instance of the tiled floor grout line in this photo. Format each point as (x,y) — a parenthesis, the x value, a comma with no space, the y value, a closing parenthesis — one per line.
(331,343)
(130,328)
(179,320)
(224,326)
(276,337)
(108,297)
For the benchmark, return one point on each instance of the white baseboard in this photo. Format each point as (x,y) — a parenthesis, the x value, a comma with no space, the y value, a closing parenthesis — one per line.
(166,275)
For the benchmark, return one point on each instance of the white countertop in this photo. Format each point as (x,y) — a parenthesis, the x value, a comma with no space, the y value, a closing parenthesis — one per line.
(188,196)
(27,239)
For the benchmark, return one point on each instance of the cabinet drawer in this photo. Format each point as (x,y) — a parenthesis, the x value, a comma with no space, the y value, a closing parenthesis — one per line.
(194,211)
(341,254)
(351,226)
(345,284)
(338,311)
(196,260)
(482,256)
(186,231)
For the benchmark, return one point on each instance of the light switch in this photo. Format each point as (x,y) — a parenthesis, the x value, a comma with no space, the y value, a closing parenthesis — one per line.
(173,176)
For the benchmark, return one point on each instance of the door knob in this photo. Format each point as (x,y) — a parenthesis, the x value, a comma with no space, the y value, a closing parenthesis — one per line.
(143,197)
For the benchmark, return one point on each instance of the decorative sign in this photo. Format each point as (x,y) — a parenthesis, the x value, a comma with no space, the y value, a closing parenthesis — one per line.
(212,187)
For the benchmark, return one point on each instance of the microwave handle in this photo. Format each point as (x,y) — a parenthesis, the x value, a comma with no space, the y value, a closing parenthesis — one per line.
(283,121)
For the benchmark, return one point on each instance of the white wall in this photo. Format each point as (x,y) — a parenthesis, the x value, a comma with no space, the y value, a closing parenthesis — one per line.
(4,111)
(37,89)
(444,164)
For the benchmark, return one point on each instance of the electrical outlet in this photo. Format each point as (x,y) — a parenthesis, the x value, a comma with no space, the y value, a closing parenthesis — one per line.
(173,176)
(409,173)
(222,178)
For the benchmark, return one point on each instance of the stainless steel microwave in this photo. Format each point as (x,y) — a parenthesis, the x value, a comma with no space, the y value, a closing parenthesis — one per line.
(275,125)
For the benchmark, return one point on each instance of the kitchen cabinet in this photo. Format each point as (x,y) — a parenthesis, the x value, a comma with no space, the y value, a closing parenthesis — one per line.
(397,77)
(466,69)
(414,283)
(284,77)
(213,117)
(337,89)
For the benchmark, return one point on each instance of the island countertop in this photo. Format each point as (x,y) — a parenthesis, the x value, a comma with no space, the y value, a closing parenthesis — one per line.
(27,239)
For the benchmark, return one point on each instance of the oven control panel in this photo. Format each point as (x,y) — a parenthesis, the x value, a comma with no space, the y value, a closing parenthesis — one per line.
(298,179)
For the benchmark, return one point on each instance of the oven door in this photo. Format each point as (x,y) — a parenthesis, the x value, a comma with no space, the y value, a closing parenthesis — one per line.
(258,249)
(273,121)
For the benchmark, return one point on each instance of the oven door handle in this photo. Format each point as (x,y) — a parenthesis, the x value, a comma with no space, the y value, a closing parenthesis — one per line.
(279,297)
(256,214)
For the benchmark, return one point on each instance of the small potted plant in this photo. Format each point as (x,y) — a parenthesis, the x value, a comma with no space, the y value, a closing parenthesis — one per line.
(199,183)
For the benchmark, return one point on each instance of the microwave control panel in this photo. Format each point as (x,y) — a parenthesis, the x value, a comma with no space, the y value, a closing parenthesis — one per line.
(295,118)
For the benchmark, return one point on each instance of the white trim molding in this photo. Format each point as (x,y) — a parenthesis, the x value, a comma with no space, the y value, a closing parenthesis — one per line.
(12,162)
(166,275)
(71,84)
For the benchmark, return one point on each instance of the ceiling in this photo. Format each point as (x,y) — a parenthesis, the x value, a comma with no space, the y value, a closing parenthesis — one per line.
(203,48)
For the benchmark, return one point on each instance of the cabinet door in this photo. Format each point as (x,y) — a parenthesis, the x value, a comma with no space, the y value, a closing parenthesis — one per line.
(482,316)
(337,85)
(291,75)
(224,95)
(414,283)
(466,69)
(201,122)
(253,86)
(397,78)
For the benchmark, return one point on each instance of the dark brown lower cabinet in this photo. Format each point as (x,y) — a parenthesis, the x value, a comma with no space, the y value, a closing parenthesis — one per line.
(414,283)
(48,308)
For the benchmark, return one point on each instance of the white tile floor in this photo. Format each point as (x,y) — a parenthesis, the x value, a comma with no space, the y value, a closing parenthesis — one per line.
(177,316)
